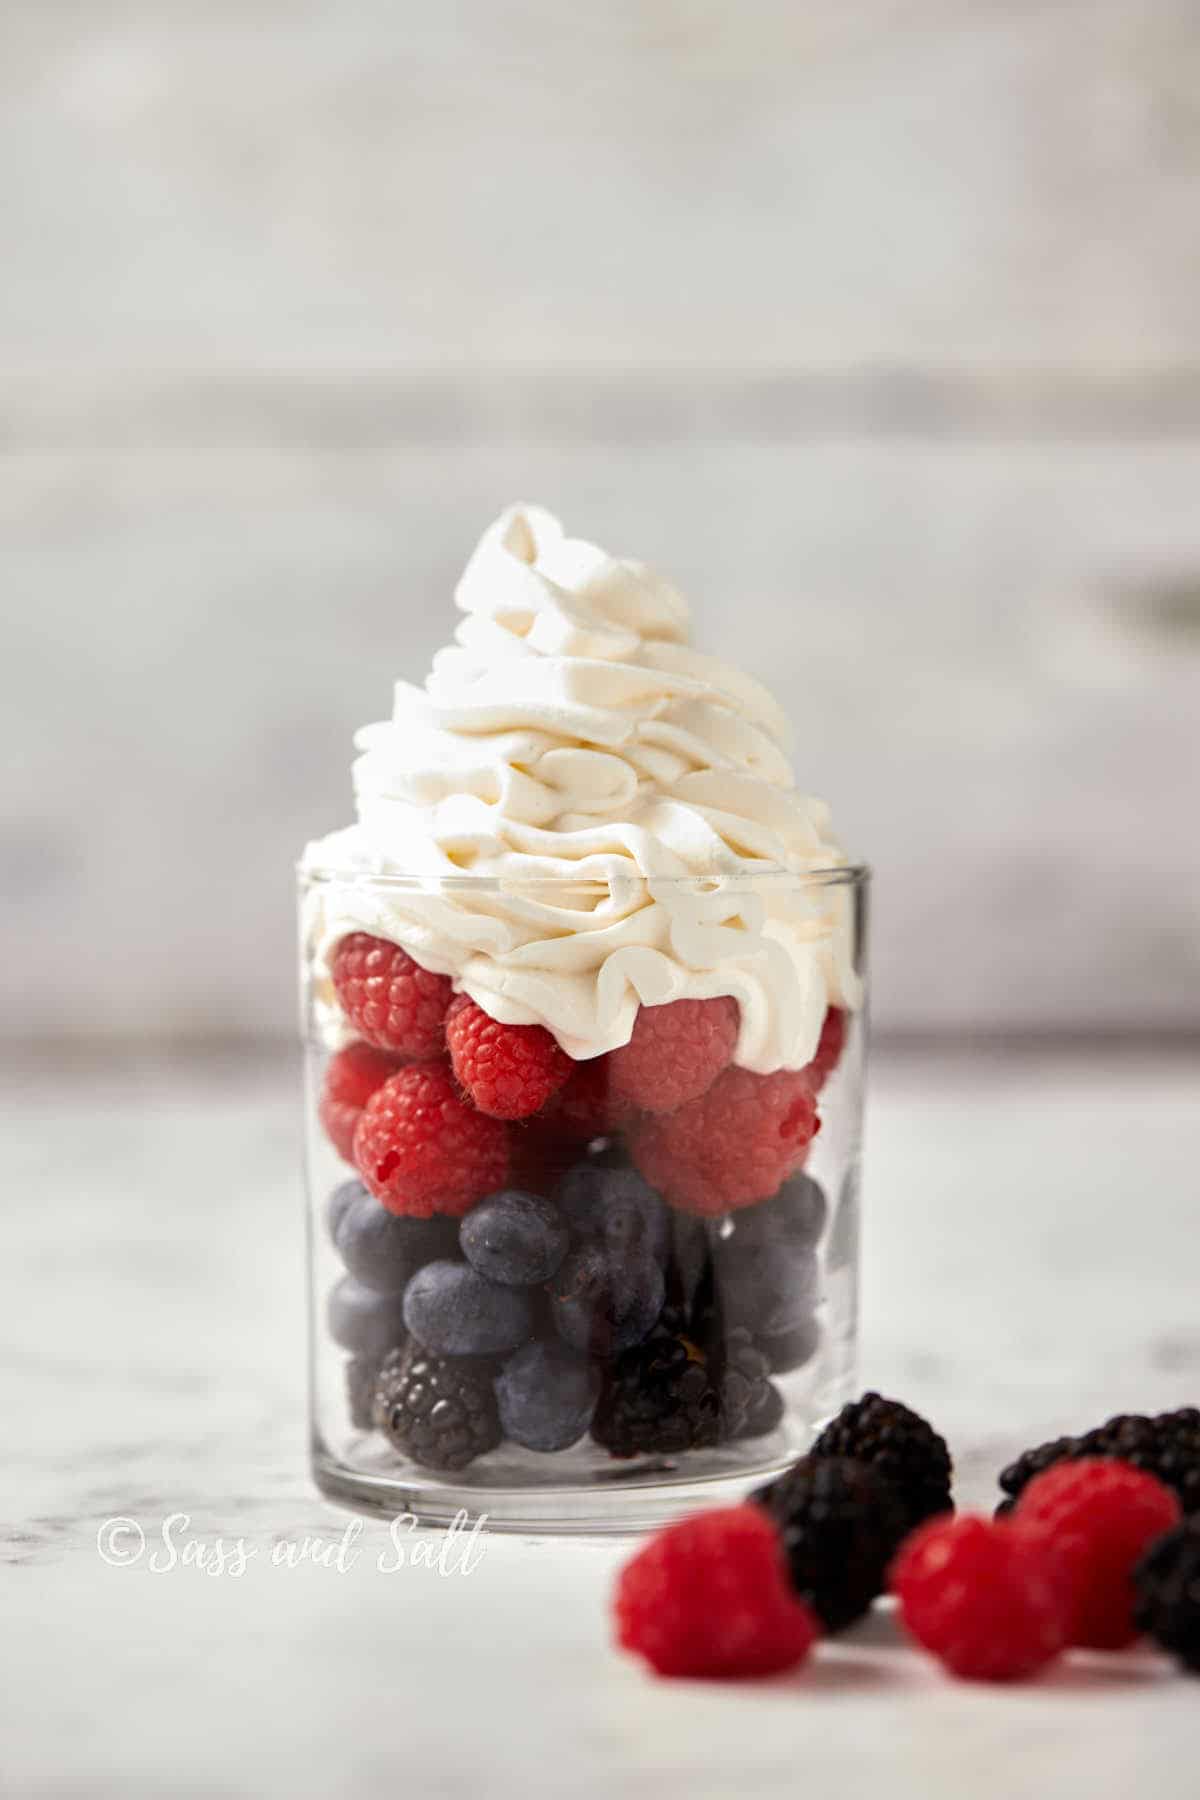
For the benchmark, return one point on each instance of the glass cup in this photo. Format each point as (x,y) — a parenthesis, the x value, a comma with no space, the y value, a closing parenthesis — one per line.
(619,1308)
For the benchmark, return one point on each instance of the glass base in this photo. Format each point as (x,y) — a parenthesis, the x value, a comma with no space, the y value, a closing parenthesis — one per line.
(510,1491)
(611,1509)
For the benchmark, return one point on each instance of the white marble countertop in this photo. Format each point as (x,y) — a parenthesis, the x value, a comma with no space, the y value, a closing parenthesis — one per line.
(1030,1266)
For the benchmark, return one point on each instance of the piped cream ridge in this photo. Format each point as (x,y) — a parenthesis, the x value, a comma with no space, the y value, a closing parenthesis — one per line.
(571,737)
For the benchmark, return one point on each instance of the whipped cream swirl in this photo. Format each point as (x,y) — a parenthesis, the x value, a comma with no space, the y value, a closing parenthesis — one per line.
(592,816)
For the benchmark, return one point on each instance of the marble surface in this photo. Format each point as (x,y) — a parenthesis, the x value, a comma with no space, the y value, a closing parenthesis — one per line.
(1029,1266)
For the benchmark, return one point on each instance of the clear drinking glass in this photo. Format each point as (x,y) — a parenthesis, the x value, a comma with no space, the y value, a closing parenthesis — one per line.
(695,1345)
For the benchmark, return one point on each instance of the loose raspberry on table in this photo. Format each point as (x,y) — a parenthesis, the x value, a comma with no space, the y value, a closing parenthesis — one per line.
(675,1053)
(421,1149)
(1098,1517)
(987,1599)
(736,1144)
(351,1078)
(709,1596)
(829,1049)
(390,1000)
(587,1105)
(509,1071)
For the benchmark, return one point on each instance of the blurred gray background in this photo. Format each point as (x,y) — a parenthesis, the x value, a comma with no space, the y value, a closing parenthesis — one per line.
(876,325)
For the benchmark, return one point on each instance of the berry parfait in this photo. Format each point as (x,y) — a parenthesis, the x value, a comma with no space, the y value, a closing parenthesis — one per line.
(584,1016)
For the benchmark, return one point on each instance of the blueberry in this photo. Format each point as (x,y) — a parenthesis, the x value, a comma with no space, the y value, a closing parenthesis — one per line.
(795,1216)
(453,1310)
(602,1303)
(547,1395)
(361,1320)
(787,1350)
(767,1286)
(339,1202)
(384,1250)
(617,1206)
(514,1238)
(765,1416)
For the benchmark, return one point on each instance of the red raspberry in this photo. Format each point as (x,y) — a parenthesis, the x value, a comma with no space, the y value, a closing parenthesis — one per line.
(736,1144)
(676,1052)
(829,1048)
(388,998)
(510,1071)
(1098,1516)
(421,1149)
(710,1596)
(351,1078)
(985,1598)
(587,1106)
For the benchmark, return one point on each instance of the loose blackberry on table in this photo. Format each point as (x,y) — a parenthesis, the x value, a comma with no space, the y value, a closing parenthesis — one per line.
(1166,1445)
(1166,1585)
(901,1446)
(840,1523)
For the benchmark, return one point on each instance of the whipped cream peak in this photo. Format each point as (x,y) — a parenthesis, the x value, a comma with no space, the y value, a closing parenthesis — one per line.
(571,734)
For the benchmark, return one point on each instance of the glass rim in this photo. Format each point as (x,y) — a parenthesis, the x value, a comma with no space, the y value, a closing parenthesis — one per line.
(843,875)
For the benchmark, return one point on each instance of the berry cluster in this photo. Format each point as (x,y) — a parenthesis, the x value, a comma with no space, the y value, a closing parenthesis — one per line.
(1093,1551)
(537,1249)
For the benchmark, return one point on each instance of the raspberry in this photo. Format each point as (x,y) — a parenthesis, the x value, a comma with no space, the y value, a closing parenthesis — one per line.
(421,1149)
(675,1053)
(510,1071)
(736,1144)
(985,1598)
(351,1078)
(389,999)
(1098,1517)
(709,1596)
(587,1105)
(901,1446)
(829,1048)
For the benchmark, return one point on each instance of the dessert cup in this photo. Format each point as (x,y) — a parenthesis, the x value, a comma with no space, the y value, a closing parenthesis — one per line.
(639,1296)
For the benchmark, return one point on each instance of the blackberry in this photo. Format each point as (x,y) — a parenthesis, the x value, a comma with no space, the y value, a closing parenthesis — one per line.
(1166,1586)
(658,1398)
(840,1522)
(362,1372)
(441,1413)
(1167,1446)
(743,1383)
(901,1446)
